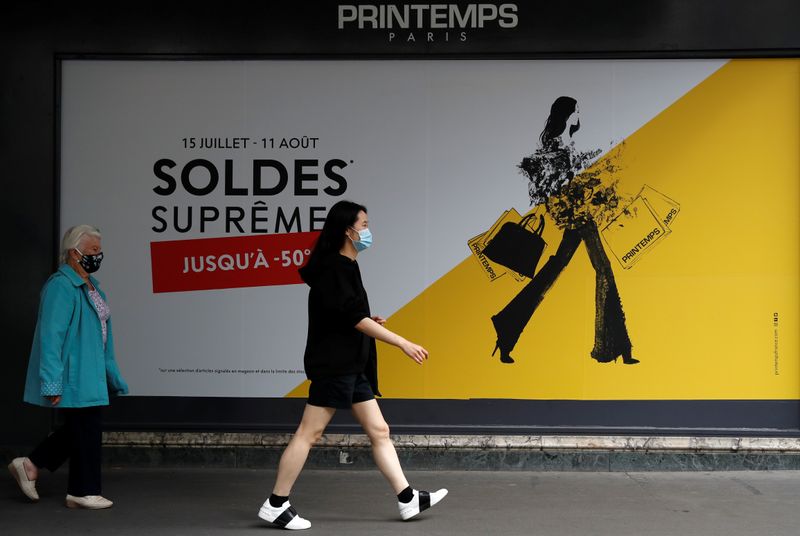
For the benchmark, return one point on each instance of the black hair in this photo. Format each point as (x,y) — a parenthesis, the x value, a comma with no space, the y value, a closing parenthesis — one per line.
(341,216)
(562,108)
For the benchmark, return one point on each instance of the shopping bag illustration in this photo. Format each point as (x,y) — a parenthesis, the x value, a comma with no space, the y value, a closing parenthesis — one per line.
(517,247)
(643,224)
(665,208)
(634,232)
(477,244)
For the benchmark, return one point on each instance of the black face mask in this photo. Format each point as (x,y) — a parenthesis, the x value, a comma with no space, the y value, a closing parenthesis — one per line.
(574,128)
(90,263)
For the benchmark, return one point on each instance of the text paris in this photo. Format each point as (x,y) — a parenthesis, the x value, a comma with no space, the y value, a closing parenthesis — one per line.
(426,37)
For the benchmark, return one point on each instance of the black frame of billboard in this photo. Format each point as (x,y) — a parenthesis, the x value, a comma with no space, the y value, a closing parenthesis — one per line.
(779,418)
(35,36)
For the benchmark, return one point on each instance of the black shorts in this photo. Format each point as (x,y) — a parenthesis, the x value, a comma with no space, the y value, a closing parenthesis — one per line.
(340,391)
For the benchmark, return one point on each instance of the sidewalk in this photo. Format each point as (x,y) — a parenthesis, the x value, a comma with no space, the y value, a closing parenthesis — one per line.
(155,502)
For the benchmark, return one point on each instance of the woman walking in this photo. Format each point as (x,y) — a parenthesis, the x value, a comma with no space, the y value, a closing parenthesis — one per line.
(72,367)
(341,362)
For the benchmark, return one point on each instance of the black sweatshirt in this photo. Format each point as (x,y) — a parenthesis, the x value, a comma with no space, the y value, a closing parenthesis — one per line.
(337,302)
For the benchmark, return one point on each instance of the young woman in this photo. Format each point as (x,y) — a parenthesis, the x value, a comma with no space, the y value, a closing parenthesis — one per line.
(341,362)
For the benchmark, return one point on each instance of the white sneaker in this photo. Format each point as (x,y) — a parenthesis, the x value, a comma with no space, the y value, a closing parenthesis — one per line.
(90,502)
(17,470)
(422,501)
(284,516)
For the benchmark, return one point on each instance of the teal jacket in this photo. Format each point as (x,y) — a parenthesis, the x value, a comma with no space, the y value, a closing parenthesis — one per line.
(67,356)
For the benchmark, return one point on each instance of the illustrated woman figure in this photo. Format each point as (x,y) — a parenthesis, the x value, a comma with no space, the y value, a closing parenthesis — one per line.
(563,180)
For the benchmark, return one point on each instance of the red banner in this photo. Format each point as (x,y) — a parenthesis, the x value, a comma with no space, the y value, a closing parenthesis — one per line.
(230,262)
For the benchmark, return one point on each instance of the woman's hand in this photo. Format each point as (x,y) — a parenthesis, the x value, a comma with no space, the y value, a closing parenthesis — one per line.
(54,400)
(414,351)
(373,328)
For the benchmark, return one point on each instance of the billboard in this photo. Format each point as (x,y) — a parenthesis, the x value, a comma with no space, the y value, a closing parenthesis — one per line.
(651,254)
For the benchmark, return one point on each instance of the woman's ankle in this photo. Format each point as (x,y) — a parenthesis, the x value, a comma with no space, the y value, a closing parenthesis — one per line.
(30,469)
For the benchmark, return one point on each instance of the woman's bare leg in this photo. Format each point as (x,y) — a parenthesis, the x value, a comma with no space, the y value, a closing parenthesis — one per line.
(311,427)
(371,419)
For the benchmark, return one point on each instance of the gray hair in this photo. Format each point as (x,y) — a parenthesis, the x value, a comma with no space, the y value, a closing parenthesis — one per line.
(73,237)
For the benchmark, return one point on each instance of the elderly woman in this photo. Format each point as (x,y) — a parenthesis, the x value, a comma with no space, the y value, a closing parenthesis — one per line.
(72,368)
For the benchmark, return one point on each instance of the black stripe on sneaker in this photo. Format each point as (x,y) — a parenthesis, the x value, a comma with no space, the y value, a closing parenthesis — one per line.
(285,517)
(424,500)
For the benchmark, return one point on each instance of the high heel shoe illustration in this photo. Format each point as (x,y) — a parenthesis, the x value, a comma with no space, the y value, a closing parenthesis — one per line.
(505,357)
(627,359)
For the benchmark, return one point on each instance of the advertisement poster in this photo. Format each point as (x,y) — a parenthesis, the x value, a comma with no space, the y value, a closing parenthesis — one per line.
(548,230)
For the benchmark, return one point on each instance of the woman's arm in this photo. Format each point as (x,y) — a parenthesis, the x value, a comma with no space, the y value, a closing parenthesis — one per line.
(373,329)
(116,383)
(55,314)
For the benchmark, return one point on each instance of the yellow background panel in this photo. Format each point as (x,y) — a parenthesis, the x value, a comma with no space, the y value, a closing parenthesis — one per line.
(699,305)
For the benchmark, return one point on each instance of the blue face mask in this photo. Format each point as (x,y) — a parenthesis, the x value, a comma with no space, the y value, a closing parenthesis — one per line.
(364,240)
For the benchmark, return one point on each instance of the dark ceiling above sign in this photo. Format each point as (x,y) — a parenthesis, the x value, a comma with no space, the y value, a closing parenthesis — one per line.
(655,28)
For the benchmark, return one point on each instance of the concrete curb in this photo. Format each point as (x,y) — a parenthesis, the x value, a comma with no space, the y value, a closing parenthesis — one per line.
(460,453)
(529,442)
